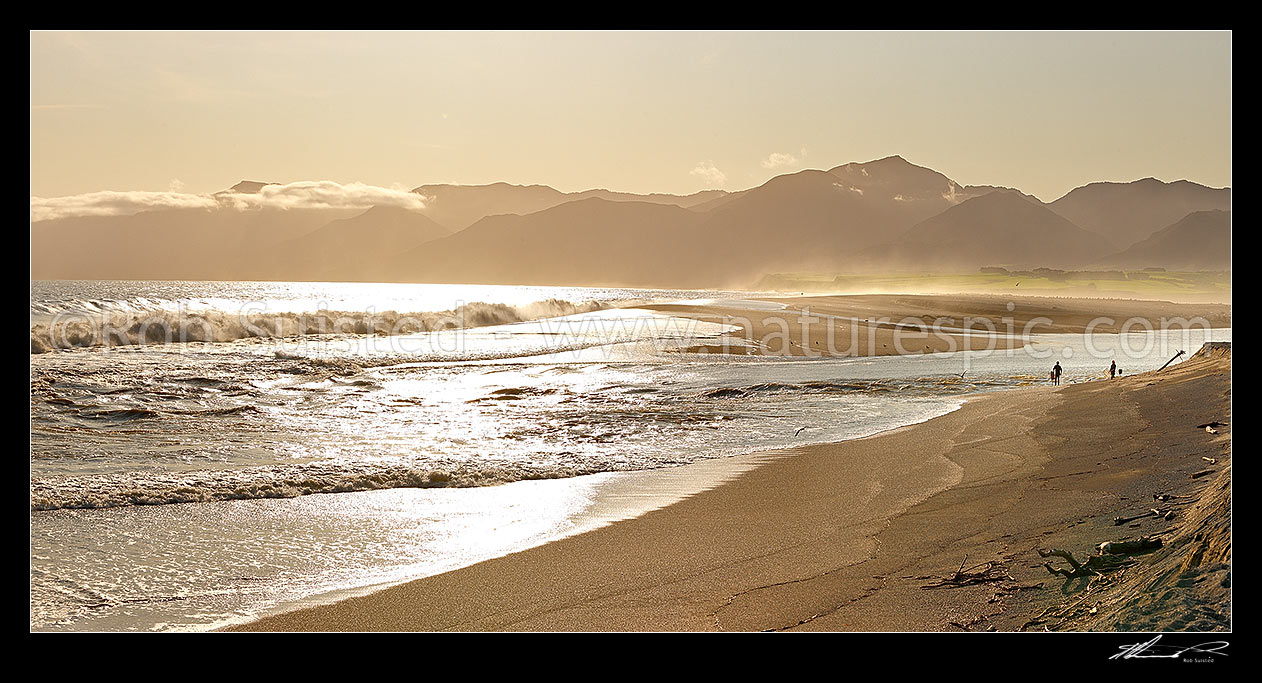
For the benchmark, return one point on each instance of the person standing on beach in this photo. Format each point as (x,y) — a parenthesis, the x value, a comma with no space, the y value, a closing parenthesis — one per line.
(1056,373)
(1112,369)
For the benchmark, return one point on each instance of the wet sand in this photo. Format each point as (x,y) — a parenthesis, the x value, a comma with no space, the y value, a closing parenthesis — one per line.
(853,535)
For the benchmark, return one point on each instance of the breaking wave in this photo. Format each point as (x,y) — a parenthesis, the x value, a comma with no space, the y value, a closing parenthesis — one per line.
(277,481)
(112,323)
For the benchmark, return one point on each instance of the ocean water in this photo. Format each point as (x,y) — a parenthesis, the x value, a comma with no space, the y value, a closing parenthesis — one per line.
(202,453)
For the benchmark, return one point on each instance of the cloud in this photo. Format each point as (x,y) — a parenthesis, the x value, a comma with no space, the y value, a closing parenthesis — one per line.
(709,172)
(307,194)
(324,194)
(109,203)
(778,160)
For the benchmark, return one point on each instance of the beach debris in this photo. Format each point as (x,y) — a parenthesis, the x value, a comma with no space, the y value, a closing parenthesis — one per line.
(1211,430)
(1163,497)
(1088,602)
(1214,423)
(1176,356)
(1119,521)
(1110,556)
(1004,591)
(1202,473)
(1209,460)
(1143,545)
(1094,566)
(980,573)
(1152,512)
(1162,514)
(799,431)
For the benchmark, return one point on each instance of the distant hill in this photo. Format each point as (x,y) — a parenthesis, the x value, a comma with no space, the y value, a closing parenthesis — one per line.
(590,241)
(894,179)
(801,220)
(175,244)
(459,206)
(246,187)
(886,214)
(1002,228)
(819,219)
(716,202)
(356,246)
(1129,212)
(1200,241)
(690,201)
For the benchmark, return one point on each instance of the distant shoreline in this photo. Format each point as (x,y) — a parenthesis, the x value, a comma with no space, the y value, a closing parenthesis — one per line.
(853,535)
(906,324)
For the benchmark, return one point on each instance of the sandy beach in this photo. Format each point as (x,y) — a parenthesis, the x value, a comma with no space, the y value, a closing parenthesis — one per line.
(932,527)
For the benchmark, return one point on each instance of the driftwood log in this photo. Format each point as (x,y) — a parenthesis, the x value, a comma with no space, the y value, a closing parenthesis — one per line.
(1113,555)
(1143,545)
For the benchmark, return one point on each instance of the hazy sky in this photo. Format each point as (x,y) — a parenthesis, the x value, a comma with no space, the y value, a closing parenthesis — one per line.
(633,111)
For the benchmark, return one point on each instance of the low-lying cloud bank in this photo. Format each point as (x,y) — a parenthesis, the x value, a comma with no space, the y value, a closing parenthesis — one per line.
(109,203)
(305,194)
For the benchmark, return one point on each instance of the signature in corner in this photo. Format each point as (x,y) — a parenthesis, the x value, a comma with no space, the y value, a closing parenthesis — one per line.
(1151,650)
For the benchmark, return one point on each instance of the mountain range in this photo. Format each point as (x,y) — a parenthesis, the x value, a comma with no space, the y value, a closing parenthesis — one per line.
(887,215)
(1199,241)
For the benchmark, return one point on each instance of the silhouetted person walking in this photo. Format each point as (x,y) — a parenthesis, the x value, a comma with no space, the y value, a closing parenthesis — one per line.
(1056,373)
(1112,369)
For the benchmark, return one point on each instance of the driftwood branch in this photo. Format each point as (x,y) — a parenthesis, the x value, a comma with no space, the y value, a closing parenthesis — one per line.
(980,573)
(1152,512)
(1180,353)
(1113,555)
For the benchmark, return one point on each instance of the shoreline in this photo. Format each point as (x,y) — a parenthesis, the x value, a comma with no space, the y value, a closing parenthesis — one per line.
(619,497)
(844,536)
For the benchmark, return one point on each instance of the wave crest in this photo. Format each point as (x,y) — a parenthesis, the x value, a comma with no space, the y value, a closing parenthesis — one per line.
(96,325)
(279,481)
